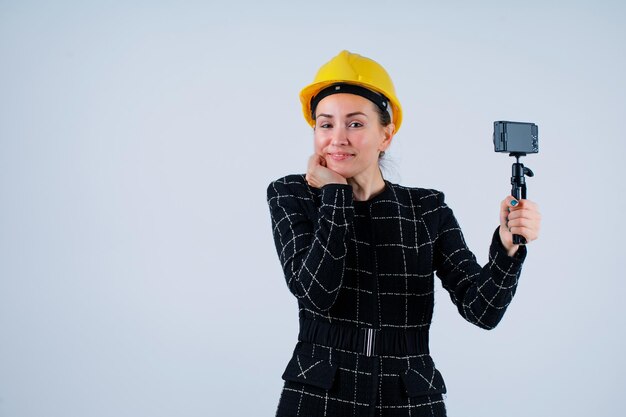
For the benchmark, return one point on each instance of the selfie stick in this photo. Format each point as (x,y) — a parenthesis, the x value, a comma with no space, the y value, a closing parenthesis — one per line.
(518,186)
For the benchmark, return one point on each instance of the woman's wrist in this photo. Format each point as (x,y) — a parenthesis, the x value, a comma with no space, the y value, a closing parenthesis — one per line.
(512,250)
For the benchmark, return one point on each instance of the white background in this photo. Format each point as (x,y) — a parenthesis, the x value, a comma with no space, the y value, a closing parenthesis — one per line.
(138,275)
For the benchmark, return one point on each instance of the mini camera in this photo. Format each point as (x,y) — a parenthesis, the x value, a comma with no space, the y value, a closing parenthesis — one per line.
(515,137)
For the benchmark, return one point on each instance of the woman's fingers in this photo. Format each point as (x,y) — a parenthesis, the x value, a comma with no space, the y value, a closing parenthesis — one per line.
(312,173)
(518,217)
(314,161)
(521,217)
(318,175)
(529,233)
(505,209)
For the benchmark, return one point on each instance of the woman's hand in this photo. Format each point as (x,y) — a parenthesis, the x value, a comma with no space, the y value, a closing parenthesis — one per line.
(317,175)
(518,217)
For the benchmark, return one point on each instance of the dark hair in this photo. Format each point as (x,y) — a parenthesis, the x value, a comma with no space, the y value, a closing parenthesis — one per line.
(383,116)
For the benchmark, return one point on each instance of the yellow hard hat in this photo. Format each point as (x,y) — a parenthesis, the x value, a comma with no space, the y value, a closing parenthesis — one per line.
(356,70)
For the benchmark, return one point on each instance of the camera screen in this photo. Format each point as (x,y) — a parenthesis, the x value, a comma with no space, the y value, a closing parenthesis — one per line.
(518,135)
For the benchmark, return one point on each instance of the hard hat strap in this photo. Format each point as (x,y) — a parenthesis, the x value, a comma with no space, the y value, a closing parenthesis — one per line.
(380,100)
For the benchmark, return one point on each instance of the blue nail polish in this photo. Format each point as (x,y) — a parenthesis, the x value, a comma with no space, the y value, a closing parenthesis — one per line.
(514,203)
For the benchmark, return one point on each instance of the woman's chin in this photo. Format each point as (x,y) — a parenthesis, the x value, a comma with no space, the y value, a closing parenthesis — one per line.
(346,173)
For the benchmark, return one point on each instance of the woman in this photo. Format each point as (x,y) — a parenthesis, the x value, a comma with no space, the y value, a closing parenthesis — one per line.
(360,253)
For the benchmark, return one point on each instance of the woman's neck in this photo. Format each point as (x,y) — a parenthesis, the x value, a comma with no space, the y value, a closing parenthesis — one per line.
(367,185)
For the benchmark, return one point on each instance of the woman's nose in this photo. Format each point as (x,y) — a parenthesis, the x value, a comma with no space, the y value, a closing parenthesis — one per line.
(339,137)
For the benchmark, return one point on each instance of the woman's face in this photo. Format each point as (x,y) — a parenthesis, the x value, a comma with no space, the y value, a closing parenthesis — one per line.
(348,134)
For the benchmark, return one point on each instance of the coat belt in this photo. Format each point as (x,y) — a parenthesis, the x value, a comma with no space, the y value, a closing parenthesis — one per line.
(363,340)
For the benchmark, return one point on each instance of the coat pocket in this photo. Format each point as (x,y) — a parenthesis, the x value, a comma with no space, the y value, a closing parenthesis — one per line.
(423,380)
(310,370)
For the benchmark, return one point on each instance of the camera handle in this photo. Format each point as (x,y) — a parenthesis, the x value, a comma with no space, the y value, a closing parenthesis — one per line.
(518,187)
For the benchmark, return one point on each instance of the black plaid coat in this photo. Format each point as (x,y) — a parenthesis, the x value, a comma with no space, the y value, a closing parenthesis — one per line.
(371,265)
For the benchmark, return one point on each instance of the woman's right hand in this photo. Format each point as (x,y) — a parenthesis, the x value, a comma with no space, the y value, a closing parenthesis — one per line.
(318,175)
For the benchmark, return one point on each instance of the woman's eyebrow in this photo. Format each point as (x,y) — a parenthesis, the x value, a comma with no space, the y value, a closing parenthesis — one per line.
(330,116)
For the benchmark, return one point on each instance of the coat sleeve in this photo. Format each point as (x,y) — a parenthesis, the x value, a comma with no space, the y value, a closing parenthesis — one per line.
(311,239)
(481,294)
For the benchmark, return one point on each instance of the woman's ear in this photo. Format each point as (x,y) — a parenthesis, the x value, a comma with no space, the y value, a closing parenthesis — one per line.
(389,131)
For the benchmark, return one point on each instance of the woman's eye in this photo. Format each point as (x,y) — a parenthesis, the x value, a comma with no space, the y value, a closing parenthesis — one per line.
(355,124)
(325,125)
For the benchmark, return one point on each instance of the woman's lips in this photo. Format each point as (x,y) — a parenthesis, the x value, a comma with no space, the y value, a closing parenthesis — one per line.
(340,156)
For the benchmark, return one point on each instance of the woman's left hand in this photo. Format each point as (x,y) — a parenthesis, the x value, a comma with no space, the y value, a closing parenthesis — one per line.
(518,217)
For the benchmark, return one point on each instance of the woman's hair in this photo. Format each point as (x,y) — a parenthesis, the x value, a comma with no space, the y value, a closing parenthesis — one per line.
(383,116)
